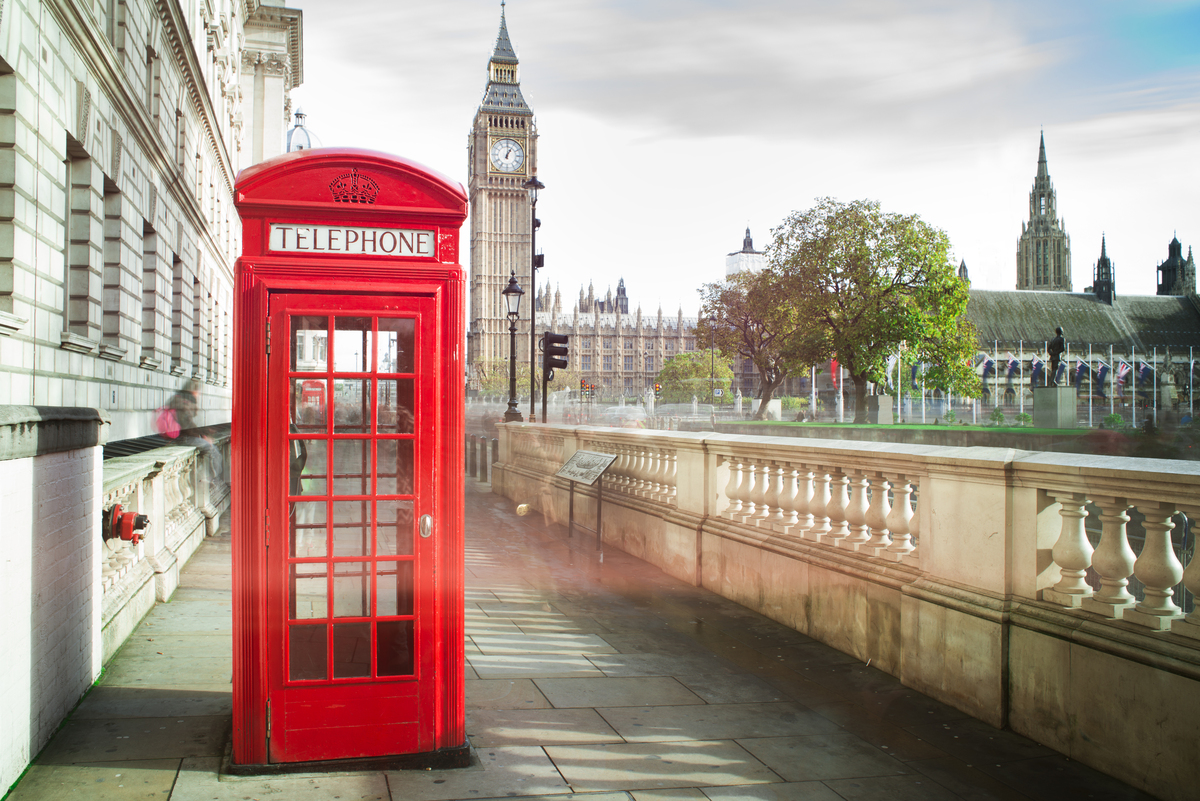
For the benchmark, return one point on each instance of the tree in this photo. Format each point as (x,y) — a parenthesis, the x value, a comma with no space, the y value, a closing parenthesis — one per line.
(743,315)
(687,375)
(491,378)
(862,282)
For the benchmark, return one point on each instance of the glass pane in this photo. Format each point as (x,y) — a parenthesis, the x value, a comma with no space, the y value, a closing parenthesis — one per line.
(352,345)
(306,467)
(308,406)
(351,650)
(395,467)
(394,528)
(310,341)
(394,648)
(394,406)
(396,344)
(351,589)
(395,582)
(351,467)
(351,528)
(306,652)
(307,528)
(309,592)
(352,406)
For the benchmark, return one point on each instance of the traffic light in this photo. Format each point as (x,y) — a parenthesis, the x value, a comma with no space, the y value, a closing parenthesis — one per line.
(554,351)
(657,391)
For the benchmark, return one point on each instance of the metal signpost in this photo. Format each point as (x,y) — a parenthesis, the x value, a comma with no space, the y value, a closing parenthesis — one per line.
(586,467)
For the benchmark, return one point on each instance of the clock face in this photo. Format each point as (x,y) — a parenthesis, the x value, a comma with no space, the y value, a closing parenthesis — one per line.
(507,155)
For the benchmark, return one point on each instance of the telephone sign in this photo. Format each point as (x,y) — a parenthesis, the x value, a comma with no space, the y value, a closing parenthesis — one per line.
(347,463)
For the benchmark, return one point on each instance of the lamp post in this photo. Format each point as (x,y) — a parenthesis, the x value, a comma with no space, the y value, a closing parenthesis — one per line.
(512,304)
(712,360)
(535,261)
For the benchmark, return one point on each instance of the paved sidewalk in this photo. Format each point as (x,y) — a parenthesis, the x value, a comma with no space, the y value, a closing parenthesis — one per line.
(603,680)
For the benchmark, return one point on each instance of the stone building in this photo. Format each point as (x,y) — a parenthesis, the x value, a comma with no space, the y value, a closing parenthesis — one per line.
(501,157)
(1044,249)
(1177,276)
(126,124)
(746,260)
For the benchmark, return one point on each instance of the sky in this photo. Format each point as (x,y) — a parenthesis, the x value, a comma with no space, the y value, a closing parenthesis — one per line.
(666,127)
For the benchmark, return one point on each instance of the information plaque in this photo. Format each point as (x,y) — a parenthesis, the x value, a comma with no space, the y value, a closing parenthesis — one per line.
(585,467)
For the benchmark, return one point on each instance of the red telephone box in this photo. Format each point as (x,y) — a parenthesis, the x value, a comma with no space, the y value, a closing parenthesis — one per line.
(347,462)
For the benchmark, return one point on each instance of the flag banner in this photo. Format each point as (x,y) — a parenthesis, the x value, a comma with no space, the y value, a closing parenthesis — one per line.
(1122,374)
(1080,371)
(1013,366)
(833,372)
(1145,373)
(1035,371)
(915,369)
(989,367)
(1102,379)
(1060,373)
(891,371)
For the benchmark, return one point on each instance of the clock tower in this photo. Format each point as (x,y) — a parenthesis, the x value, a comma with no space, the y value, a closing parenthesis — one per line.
(501,157)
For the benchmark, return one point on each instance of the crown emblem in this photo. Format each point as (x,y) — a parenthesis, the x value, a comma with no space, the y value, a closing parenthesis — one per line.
(351,187)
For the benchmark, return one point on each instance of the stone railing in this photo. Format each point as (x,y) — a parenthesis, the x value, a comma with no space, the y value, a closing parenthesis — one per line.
(966,572)
(173,488)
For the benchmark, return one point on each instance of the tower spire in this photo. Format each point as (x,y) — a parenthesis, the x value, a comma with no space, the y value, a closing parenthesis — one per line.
(1043,170)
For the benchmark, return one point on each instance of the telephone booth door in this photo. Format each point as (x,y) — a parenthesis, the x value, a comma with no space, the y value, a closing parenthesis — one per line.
(351,488)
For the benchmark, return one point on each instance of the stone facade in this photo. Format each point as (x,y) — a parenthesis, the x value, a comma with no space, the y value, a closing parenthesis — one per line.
(1044,249)
(746,260)
(501,157)
(1177,276)
(124,125)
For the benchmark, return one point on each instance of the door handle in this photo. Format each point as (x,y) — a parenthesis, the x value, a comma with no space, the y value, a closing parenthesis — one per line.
(425,525)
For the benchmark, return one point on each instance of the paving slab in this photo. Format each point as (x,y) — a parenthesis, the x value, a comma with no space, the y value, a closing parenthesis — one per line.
(169,671)
(977,743)
(891,788)
(126,739)
(542,644)
(662,665)
(1054,777)
(540,665)
(606,692)
(199,781)
(501,771)
(738,688)
(965,781)
(504,694)
(650,766)
(488,727)
(177,645)
(107,701)
(682,794)
(787,791)
(107,781)
(716,722)
(901,744)
(821,757)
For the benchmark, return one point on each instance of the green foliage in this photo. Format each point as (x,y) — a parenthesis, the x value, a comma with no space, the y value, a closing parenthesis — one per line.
(997,416)
(1024,419)
(743,315)
(863,283)
(491,378)
(688,374)
(1114,421)
(949,417)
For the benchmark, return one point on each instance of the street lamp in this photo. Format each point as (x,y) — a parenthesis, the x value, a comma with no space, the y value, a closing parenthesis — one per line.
(535,261)
(512,304)
(712,360)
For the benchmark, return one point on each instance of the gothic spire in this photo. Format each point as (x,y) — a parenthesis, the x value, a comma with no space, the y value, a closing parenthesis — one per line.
(1103,247)
(504,52)
(503,91)
(1042,172)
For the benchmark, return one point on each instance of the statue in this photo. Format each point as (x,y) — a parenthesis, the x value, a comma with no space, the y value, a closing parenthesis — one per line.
(1055,349)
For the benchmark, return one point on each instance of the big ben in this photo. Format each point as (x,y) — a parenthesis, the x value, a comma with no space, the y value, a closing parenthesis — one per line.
(502,156)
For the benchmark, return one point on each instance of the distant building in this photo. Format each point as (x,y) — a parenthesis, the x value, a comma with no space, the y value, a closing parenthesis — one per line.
(1104,281)
(299,136)
(746,260)
(1175,275)
(1044,249)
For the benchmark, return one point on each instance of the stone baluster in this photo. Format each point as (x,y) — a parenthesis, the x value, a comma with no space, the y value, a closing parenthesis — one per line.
(733,490)
(774,496)
(757,493)
(789,488)
(644,459)
(1158,569)
(839,500)
(1113,560)
(661,464)
(1190,625)
(820,505)
(626,480)
(672,477)
(857,509)
(901,521)
(804,499)
(1072,552)
(879,517)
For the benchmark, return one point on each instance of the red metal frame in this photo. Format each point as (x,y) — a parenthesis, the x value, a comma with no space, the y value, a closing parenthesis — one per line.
(299,189)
